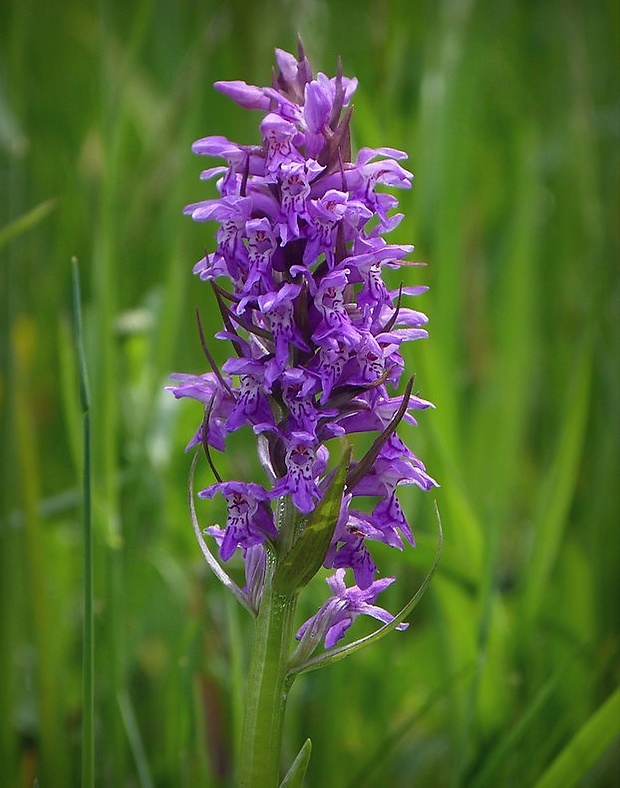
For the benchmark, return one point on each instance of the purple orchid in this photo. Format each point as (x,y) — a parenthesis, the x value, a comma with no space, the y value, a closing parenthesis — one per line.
(297,272)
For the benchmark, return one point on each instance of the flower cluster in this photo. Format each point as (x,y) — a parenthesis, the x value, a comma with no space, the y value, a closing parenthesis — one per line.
(316,332)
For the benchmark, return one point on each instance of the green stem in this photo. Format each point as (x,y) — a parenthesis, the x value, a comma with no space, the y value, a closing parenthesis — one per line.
(267,688)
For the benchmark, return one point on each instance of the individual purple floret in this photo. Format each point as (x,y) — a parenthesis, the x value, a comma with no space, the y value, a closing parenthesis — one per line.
(335,617)
(249,521)
(317,335)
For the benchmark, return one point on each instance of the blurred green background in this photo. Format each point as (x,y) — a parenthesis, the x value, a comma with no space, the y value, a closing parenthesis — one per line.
(509,110)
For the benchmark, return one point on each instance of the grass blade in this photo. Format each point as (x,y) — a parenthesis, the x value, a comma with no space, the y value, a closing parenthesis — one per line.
(557,490)
(25,222)
(88,642)
(135,740)
(586,747)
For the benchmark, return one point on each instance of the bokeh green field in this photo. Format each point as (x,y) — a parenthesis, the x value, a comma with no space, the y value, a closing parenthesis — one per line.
(509,671)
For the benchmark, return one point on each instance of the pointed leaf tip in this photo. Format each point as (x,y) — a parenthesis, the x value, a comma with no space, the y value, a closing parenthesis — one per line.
(295,775)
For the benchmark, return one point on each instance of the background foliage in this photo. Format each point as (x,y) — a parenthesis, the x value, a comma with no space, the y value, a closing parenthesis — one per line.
(509,111)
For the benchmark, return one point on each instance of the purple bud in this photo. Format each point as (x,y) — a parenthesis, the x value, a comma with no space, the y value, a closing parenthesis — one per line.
(246,95)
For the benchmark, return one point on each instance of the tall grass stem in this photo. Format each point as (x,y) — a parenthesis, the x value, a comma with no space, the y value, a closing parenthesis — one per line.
(88,638)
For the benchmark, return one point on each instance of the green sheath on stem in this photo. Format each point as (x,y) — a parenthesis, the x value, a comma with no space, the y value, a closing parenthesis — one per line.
(287,572)
(268,687)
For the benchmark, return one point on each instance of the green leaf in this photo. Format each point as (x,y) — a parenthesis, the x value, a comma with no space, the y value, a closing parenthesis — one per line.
(295,775)
(305,557)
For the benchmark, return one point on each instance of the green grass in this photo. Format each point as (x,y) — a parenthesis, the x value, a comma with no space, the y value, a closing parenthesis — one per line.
(508,673)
